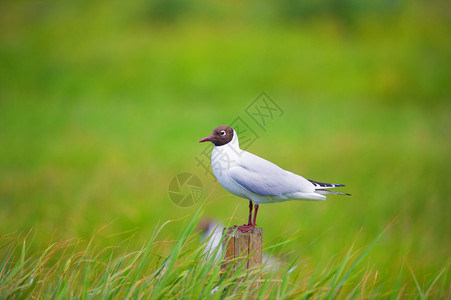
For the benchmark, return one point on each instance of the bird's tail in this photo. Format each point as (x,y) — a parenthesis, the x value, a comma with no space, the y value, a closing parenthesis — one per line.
(327,192)
(319,188)
(319,185)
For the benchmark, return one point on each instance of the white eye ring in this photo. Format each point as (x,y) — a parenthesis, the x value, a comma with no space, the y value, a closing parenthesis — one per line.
(223,132)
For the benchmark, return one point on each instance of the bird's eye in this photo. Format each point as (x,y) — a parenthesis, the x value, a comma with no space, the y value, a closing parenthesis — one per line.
(223,132)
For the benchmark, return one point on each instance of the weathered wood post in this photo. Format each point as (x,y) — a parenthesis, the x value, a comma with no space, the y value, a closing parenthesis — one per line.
(242,246)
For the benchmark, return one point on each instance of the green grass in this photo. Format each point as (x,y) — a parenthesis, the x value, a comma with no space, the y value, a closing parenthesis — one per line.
(97,99)
(83,270)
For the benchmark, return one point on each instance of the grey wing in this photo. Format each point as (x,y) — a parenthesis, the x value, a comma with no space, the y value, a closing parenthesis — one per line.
(267,179)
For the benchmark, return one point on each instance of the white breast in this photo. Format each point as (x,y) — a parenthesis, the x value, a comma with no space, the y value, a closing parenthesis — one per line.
(222,159)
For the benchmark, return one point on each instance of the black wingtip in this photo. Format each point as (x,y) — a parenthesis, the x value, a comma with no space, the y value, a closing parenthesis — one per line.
(325,185)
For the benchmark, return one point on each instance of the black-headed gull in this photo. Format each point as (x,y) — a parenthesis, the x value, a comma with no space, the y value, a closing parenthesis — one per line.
(256,179)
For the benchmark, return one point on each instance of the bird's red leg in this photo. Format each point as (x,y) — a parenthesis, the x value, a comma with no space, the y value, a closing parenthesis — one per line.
(250,225)
(250,213)
(255,216)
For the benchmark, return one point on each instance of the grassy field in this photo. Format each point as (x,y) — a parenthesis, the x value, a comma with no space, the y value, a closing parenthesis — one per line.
(102,104)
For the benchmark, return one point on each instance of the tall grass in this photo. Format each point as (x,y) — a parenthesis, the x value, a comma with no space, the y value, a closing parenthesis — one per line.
(97,98)
(77,269)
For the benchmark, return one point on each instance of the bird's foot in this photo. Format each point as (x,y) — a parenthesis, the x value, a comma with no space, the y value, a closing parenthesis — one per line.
(246,227)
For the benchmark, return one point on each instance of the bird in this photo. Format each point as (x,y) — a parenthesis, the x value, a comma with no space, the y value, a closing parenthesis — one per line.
(256,179)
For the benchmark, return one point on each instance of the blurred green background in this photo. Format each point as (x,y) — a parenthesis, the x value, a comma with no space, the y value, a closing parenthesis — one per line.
(102,103)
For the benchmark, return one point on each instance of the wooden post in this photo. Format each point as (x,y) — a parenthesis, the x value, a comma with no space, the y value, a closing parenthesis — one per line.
(242,246)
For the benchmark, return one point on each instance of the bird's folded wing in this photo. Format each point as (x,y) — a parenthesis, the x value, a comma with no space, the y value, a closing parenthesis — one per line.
(267,179)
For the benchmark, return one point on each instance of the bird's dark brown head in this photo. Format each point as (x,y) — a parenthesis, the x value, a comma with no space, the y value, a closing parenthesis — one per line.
(221,135)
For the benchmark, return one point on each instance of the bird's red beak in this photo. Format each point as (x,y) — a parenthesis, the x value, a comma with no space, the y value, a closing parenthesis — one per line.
(205,139)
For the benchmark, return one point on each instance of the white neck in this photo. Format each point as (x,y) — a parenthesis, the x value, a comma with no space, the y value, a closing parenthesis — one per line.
(229,151)
(234,143)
